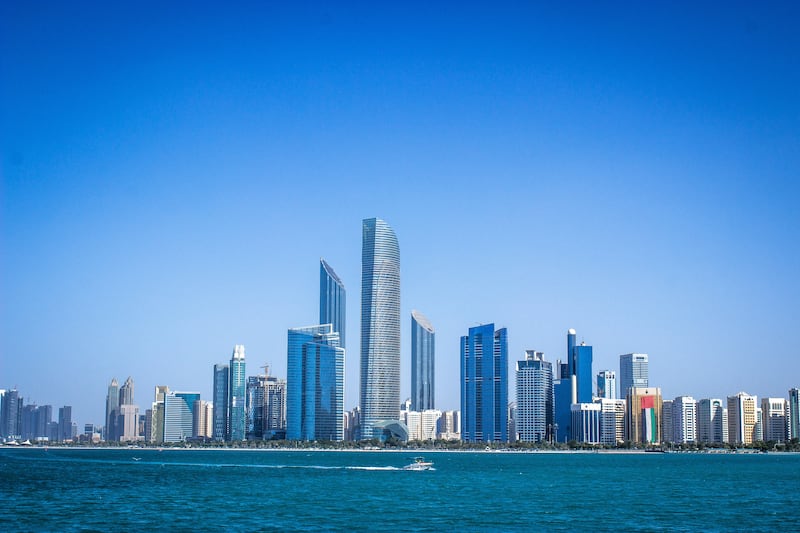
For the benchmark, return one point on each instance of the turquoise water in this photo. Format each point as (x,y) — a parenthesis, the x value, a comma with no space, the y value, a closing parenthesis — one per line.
(61,490)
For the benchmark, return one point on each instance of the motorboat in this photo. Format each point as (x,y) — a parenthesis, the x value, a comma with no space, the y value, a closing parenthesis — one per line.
(419,464)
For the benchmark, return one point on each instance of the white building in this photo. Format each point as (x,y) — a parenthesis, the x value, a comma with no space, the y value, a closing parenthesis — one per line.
(535,405)
(684,419)
(607,384)
(711,425)
(775,421)
(450,425)
(129,416)
(612,421)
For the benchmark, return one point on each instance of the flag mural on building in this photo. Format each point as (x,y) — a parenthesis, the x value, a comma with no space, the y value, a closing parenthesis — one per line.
(649,419)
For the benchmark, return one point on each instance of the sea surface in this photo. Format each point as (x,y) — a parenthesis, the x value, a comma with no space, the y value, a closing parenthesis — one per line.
(219,490)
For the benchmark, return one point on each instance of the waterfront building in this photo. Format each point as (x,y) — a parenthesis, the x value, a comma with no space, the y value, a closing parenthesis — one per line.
(202,419)
(484,385)
(562,400)
(586,422)
(667,433)
(129,423)
(794,413)
(684,419)
(256,399)
(775,421)
(710,423)
(65,423)
(742,418)
(11,414)
(582,365)
(237,383)
(332,300)
(612,421)
(126,392)
(274,408)
(423,348)
(607,384)
(179,415)
(110,431)
(380,326)
(643,415)
(156,433)
(221,402)
(449,426)
(535,404)
(633,372)
(758,432)
(315,384)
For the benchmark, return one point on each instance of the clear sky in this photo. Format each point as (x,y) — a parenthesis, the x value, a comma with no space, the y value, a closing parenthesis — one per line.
(171,176)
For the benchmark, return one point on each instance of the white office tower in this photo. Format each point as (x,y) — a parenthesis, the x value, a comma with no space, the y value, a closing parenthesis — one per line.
(612,421)
(534,410)
(429,424)
(742,418)
(711,424)
(684,419)
(774,419)
(607,384)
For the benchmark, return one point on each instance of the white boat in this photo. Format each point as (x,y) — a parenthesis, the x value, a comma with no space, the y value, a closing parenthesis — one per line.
(419,464)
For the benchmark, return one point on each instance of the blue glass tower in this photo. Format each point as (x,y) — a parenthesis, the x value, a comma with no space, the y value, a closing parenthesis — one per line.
(423,347)
(582,356)
(331,300)
(237,396)
(220,394)
(315,384)
(380,325)
(484,385)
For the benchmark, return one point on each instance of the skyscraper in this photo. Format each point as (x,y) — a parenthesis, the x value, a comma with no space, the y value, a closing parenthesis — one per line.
(157,415)
(65,423)
(711,426)
(742,418)
(633,372)
(484,385)
(126,392)
(332,299)
(220,395)
(380,325)
(315,379)
(11,414)
(112,411)
(534,421)
(582,363)
(643,415)
(775,422)
(684,419)
(237,383)
(179,415)
(423,349)
(794,413)
(607,384)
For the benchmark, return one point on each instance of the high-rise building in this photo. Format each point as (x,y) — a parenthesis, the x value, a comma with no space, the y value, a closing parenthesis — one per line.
(684,419)
(534,419)
(11,414)
(423,350)
(711,427)
(315,384)
(586,422)
(380,325)
(484,385)
(775,423)
(794,413)
(612,421)
(607,384)
(65,423)
(237,383)
(220,393)
(643,415)
(179,415)
(128,422)
(156,433)
(667,427)
(582,365)
(449,425)
(332,299)
(633,372)
(126,392)
(203,419)
(112,411)
(256,399)
(275,408)
(742,418)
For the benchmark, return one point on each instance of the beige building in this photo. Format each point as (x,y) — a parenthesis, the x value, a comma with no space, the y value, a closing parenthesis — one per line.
(742,418)
(643,415)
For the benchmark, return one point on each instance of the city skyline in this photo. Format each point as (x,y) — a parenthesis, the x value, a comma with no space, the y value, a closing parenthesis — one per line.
(628,174)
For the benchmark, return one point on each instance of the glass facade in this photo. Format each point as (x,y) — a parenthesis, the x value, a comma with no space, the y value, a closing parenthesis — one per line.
(607,384)
(484,385)
(582,357)
(633,372)
(535,416)
(179,415)
(332,298)
(423,351)
(380,325)
(315,384)
(794,413)
(237,387)
(220,395)
(112,411)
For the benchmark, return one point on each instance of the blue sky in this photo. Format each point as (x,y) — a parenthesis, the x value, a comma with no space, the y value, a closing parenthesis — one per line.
(172,175)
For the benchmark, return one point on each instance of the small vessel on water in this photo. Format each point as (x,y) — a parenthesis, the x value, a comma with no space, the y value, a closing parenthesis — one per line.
(419,464)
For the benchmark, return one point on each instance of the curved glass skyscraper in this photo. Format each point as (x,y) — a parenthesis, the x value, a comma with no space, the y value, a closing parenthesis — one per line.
(331,300)
(422,362)
(380,325)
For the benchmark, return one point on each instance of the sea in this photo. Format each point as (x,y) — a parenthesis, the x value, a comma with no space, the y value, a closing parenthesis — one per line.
(259,490)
